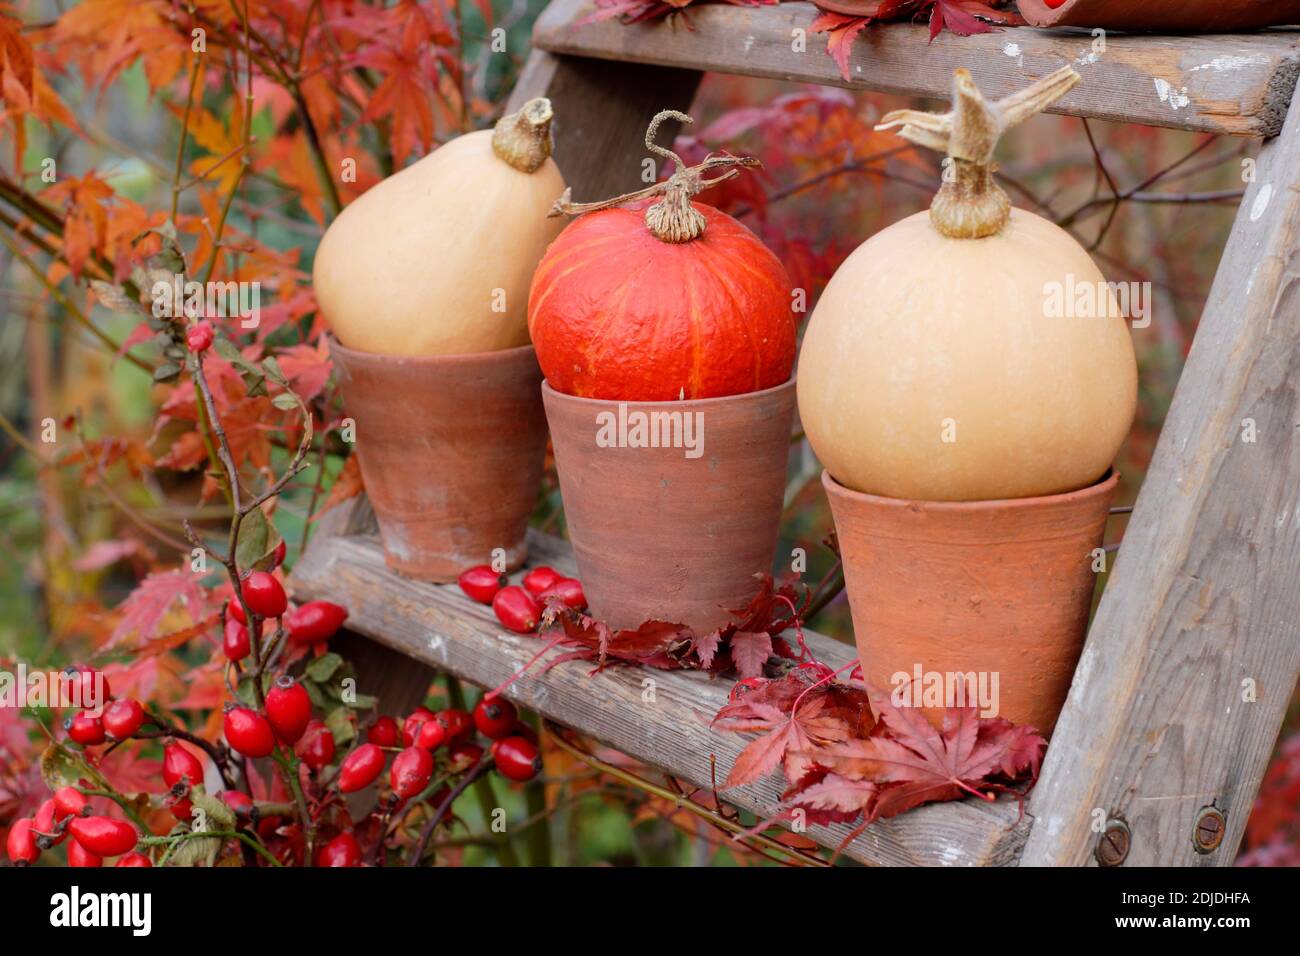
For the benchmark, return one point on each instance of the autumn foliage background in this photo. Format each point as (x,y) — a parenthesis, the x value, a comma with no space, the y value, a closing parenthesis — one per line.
(116,131)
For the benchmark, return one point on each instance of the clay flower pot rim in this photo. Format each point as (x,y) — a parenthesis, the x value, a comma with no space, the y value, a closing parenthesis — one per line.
(1102,486)
(675,403)
(462,358)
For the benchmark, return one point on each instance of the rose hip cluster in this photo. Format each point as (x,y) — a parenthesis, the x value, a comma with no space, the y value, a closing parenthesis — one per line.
(67,812)
(447,735)
(519,608)
(308,624)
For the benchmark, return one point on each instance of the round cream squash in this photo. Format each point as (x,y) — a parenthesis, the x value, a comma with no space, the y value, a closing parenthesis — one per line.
(954,357)
(437,259)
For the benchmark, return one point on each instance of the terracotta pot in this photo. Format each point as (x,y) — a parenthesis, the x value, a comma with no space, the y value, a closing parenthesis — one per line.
(991,587)
(451,453)
(1212,15)
(671,533)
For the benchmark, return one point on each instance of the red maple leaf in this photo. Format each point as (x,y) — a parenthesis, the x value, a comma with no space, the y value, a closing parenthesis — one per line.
(146,608)
(638,11)
(913,763)
(962,17)
(794,713)
(747,644)
(750,651)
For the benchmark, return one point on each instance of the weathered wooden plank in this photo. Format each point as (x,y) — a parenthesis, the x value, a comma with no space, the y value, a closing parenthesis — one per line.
(1237,84)
(1204,602)
(438,626)
(602,110)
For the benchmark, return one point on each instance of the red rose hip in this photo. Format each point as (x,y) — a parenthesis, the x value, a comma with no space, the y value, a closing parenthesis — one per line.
(411,772)
(104,836)
(123,718)
(21,843)
(539,579)
(179,764)
(495,718)
(361,768)
(481,583)
(343,850)
(516,759)
(316,748)
(384,732)
(248,732)
(517,609)
(264,594)
(315,621)
(288,708)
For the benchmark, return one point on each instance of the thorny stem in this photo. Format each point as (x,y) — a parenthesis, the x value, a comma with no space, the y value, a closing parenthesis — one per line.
(180,147)
(480,768)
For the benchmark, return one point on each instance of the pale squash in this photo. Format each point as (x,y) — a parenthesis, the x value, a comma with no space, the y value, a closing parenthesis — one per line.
(437,259)
(935,367)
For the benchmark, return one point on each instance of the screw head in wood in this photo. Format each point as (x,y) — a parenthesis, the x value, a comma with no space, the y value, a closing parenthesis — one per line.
(1208,832)
(1114,842)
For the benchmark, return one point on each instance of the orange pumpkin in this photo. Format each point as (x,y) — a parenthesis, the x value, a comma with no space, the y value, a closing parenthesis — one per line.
(661,301)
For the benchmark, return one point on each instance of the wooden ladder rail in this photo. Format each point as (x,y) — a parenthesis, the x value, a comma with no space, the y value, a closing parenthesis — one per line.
(1206,592)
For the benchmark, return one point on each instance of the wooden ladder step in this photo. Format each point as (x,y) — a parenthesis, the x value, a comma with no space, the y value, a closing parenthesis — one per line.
(439,626)
(1234,84)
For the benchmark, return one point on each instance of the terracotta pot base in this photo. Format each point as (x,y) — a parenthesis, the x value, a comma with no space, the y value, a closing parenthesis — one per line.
(985,587)
(1192,15)
(662,536)
(451,451)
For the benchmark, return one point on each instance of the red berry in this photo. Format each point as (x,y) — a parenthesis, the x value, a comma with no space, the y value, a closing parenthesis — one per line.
(459,724)
(69,802)
(481,583)
(86,730)
(178,764)
(361,768)
(463,755)
(21,845)
(123,718)
(235,609)
(288,708)
(235,642)
(134,859)
(316,748)
(568,591)
(495,718)
(539,579)
(411,726)
(264,594)
(199,336)
(248,732)
(181,808)
(411,772)
(383,732)
(516,759)
(104,836)
(343,850)
(315,621)
(78,855)
(277,556)
(237,800)
(432,735)
(516,609)
(92,686)
(523,730)
(46,821)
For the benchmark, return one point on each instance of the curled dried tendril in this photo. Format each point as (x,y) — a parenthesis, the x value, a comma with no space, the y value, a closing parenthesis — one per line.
(673,218)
